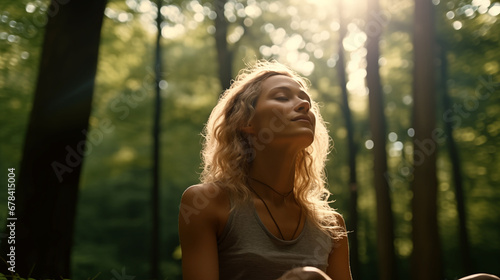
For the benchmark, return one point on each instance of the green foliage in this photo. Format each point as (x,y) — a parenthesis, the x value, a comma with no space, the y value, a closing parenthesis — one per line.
(113,221)
(21,34)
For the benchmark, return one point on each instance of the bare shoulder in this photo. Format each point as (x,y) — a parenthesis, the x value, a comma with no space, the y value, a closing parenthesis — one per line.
(340,219)
(202,195)
(336,219)
(339,236)
(205,203)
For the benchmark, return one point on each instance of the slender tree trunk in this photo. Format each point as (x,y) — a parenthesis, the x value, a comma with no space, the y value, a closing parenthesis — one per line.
(55,145)
(467,264)
(224,55)
(426,258)
(385,224)
(155,191)
(353,185)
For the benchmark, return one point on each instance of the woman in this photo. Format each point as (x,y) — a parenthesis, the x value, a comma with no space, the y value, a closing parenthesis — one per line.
(261,210)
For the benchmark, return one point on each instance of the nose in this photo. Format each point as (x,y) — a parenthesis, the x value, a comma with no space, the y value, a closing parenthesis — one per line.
(303,106)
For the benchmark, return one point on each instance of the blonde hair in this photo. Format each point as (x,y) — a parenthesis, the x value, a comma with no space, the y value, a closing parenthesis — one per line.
(227,151)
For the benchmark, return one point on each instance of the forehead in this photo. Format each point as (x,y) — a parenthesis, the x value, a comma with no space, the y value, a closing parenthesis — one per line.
(281,81)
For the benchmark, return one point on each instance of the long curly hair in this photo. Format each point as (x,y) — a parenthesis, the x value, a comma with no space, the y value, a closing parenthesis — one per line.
(228,152)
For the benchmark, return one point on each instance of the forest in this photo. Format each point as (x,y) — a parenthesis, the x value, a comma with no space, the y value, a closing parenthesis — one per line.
(103,104)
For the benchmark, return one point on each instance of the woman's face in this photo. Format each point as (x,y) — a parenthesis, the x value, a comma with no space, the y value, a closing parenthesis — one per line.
(282,113)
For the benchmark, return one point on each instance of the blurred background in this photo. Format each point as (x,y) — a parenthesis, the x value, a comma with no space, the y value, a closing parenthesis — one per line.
(205,42)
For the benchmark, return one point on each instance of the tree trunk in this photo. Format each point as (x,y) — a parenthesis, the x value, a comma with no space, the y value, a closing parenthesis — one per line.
(467,264)
(385,224)
(426,258)
(224,55)
(54,148)
(353,185)
(155,190)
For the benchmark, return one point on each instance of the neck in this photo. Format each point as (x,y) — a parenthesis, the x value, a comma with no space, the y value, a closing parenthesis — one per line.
(276,169)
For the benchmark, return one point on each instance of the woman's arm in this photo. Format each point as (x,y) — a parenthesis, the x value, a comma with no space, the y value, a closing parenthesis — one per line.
(198,226)
(338,261)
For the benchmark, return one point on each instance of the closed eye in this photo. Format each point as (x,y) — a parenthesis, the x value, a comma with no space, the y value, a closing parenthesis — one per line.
(281,98)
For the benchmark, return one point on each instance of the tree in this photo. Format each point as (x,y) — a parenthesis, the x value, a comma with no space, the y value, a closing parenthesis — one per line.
(426,258)
(155,190)
(453,152)
(47,188)
(353,184)
(385,224)
(224,54)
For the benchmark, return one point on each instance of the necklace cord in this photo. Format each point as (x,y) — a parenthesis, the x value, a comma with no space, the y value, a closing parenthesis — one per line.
(271,188)
(274,220)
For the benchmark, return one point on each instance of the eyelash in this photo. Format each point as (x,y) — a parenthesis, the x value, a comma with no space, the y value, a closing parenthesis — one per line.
(284,98)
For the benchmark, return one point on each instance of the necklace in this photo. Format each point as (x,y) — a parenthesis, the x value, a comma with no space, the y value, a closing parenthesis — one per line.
(271,188)
(274,220)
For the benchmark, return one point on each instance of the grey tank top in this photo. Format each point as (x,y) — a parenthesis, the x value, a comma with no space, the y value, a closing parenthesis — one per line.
(248,251)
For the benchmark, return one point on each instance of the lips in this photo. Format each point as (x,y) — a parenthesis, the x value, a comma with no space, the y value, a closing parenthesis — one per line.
(302,118)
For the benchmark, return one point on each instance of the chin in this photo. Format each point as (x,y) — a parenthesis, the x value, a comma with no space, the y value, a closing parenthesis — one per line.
(306,140)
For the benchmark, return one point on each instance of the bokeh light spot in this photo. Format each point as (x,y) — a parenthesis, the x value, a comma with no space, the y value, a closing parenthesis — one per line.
(30,8)
(392,137)
(369,144)
(494,10)
(457,25)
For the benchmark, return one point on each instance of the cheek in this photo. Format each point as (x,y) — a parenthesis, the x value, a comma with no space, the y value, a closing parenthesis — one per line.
(259,121)
(313,118)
